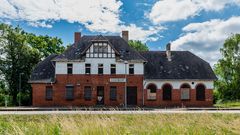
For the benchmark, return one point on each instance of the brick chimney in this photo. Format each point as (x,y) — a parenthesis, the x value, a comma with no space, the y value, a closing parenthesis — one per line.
(168,51)
(77,37)
(125,35)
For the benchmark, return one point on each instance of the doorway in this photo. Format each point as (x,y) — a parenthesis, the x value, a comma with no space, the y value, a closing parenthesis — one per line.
(100,95)
(132,95)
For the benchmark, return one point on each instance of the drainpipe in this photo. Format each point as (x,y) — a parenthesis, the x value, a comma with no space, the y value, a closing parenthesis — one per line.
(125,92)
(143,92)
(144,83)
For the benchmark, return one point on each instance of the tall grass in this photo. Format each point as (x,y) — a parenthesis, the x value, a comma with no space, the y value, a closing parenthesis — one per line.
(195,124)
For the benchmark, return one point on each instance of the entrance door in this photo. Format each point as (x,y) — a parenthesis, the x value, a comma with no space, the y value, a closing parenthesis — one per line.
(100,95)
(131,95)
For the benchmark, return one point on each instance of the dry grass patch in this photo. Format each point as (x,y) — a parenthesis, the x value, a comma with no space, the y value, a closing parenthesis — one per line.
(196,124)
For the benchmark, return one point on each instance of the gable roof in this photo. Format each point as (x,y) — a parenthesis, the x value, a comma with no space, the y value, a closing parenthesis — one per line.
(184,65)
(44,71)
(76,52)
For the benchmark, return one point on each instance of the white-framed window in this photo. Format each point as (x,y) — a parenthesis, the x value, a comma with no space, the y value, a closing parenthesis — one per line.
(113,69)
(131,69)
(99,47)
(87,68)
(100,69)
(69,68)
(151,92)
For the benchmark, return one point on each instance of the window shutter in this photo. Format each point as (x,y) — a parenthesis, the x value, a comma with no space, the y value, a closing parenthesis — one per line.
(87,93)
(113,93)
(69,92)
(49,93)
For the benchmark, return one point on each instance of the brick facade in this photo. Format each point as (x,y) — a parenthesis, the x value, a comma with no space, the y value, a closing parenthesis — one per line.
(176,99)
(79,81)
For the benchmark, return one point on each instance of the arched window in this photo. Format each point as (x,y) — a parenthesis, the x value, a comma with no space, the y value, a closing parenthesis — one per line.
(152,92)
(185,91)
(200,92)
(167,92)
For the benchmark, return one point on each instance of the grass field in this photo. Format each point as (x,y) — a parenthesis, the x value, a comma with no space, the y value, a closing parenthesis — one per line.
(228,104)
(121,124)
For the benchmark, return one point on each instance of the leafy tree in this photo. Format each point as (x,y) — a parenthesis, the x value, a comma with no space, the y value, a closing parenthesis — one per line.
(228,70)
(18,58)
(46,45)
(138,45)
(20,52)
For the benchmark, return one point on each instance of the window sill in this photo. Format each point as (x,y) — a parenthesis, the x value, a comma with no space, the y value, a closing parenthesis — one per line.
(49,99)
(201,100)
(69,99)
(167,100)
(151,99)
(185,99)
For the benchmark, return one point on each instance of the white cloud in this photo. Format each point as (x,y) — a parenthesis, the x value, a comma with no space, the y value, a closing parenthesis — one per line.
(40,24)
(206,38)
(96,15)
(174,10)
(138,33)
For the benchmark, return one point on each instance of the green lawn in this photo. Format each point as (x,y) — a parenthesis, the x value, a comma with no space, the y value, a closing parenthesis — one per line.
(121,124)
(228,104)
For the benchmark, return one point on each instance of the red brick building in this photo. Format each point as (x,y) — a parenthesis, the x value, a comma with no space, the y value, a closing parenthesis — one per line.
(106,71)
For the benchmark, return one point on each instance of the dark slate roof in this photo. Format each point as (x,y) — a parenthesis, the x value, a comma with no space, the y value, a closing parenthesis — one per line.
(184,65)
(118,43)
(44,71)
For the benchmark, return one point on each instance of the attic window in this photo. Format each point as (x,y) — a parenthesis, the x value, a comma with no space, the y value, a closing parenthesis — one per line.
(100,47)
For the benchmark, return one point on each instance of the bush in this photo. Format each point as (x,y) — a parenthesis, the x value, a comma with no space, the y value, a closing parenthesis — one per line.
(5,99)
(24,98)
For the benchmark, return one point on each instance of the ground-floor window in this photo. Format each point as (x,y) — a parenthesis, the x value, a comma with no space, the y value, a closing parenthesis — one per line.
(69,92)
(87,92)
(200,92)
(185,92)
(167,92)
(49,93)
(113,93)
(151,92)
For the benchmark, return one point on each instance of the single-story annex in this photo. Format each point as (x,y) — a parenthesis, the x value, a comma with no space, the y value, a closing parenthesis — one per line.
(105,70)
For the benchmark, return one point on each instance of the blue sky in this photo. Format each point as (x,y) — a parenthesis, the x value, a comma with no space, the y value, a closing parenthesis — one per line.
(198,26)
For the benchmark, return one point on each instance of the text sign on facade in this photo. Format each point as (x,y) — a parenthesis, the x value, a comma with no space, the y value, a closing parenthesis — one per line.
(117,79)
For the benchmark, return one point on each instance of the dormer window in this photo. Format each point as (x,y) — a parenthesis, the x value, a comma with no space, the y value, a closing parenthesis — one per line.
(100,47)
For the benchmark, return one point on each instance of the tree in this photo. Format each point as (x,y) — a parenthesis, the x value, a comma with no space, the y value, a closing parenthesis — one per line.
(19,58)
(138,45)
(228,70)
(45,45)
(20,52)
